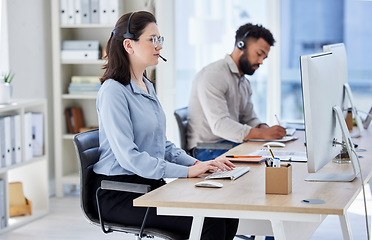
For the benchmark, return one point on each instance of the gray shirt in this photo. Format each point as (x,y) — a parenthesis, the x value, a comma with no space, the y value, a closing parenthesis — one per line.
(132,134)
(220,106)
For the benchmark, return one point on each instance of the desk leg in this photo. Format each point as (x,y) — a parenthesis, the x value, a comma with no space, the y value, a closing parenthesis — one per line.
(278,229)
(345,226)
(196,227)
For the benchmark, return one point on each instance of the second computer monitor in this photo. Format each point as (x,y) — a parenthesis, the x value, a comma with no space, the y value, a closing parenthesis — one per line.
(325,127)
(346,97)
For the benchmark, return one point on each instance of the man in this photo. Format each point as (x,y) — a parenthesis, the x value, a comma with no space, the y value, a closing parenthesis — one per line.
(220,107)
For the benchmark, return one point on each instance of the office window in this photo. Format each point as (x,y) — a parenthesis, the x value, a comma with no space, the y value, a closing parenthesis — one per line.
(309,24)
(205,32)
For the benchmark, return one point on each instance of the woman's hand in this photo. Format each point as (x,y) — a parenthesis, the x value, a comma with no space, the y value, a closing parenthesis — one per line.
(211,165)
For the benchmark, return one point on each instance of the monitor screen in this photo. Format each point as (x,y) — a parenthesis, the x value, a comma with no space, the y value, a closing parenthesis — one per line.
(324,122)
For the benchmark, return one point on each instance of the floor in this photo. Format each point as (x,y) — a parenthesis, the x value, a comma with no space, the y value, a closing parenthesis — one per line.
(66,221)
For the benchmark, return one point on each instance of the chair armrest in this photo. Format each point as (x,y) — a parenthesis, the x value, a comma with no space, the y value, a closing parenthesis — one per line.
(202,145)
(125,187)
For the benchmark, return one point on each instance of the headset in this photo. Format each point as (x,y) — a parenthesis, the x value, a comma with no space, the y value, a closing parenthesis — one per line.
(241,43)
(128,34)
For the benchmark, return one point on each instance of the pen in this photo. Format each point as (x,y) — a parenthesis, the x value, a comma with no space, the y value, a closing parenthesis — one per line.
(234,156)
(277,119)
(271,152)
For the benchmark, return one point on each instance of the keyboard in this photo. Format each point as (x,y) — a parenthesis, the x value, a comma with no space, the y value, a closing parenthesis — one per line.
(290,131)
(231,174)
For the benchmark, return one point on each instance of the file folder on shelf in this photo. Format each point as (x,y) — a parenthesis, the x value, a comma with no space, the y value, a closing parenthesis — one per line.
(80,55)
(63,11)
(6,157)
(37,134)
(80,45)
(70,12)
(94,11)
(115,7)
(2,204)
(80,49)
(85,11)
(15,128)
(77,11)
(28,136)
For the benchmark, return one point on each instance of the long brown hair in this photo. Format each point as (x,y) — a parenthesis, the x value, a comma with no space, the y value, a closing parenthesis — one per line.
(118,65)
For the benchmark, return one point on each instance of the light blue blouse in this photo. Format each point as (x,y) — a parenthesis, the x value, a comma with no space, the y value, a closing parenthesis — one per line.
(132,138)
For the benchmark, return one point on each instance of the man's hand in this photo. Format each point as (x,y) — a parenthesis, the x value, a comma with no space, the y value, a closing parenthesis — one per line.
(268,133)
(211,165)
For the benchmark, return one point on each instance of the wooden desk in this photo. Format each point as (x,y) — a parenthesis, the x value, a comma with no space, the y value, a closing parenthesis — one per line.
(283,216)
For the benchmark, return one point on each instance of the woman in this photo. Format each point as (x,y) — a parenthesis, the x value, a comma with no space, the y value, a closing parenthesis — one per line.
(132,137)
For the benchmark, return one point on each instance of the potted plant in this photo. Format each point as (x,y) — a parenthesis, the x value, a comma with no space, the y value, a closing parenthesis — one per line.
(6,88)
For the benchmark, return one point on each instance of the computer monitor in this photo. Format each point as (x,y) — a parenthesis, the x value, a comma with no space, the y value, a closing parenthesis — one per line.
(325,125)
(339,50)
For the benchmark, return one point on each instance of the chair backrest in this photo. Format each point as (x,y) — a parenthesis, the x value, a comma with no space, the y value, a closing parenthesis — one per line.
(181,117)
(87,152)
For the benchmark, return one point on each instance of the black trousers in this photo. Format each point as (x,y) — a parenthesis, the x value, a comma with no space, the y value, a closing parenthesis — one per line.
(118,207)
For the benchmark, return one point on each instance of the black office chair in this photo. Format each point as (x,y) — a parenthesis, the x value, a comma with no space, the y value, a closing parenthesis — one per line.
(181,115)
(87,151)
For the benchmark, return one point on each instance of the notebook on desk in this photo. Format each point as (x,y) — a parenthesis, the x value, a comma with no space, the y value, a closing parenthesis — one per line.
(284,155)
(247,159)
(290,131)
(284,139)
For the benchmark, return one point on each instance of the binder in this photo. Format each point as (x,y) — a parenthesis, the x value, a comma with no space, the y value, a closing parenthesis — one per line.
(80,55)
(80,45)
(6,141)
(27,136)
(2,204)
(104,12)
(80,49)
(77,11)
(85,11)
(2,143)
(63,12)
(37,134)
(15,128)
(18,138)
(94,11)
(115,8)
(70,12)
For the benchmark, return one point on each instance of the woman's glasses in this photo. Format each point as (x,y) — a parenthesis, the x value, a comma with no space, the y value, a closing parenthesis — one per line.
(156,41)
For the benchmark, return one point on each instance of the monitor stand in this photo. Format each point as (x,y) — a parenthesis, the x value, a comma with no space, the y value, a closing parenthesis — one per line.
(323,177)
(347,94)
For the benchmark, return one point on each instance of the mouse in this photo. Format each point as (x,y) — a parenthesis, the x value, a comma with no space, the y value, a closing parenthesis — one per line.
(210,184)
(274,144)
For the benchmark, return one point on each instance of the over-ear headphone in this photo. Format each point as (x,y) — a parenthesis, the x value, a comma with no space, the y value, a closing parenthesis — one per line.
(128,34)
(241,43)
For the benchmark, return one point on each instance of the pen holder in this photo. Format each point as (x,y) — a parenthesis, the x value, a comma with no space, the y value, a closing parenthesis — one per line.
(278,180)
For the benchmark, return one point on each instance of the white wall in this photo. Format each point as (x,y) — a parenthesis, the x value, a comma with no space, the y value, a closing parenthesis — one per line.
(30,56)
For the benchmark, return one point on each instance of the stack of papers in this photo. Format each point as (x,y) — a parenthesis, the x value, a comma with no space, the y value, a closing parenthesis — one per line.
(284,139)
(284,155)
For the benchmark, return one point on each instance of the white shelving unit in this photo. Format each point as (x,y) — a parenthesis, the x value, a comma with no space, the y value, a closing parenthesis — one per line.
(32,173)
(66,166)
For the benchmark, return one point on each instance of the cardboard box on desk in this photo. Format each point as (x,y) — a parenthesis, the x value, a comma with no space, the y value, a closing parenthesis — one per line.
(278,180)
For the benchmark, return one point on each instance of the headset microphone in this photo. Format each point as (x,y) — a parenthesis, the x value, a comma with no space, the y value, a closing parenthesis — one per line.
(162,58)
